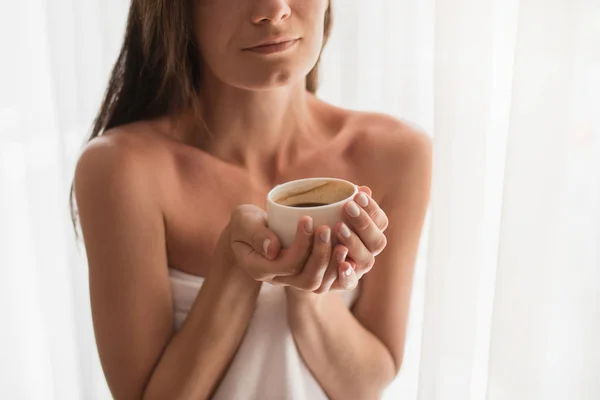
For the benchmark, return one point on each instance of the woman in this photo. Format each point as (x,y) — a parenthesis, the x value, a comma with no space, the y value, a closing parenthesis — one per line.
(210,105)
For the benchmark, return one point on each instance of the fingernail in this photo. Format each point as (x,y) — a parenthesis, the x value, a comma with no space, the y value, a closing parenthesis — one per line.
(353,209)
(341,257)
(308,226)
(362,200)
(348,271)
(326,235)
(345,231)
(266,244)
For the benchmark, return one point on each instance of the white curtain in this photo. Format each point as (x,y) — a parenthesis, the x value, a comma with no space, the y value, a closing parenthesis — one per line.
(506,298)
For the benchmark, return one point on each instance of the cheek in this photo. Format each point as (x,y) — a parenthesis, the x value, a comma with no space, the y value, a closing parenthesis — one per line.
(312,13)
(314,8)
(215,26)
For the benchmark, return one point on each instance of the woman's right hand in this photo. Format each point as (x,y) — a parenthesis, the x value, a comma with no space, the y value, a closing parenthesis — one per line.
(257,250)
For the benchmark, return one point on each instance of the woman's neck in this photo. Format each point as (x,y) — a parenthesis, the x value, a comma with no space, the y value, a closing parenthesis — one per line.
(258,130)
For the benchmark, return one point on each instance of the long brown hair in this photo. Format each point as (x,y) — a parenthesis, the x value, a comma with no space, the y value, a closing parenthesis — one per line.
(158,68)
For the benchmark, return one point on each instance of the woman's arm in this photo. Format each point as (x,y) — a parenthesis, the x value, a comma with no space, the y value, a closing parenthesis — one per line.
(356,355)
(124,235)
(348,361)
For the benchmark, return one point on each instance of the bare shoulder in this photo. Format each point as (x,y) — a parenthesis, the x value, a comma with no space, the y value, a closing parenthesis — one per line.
(117,163)
(376,134)
(387,138)
(391,151)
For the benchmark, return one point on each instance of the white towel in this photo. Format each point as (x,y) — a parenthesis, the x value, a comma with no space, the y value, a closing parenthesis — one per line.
(267,364)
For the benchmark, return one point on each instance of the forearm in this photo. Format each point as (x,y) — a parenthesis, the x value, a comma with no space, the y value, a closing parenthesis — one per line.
(348,361)
(198,355)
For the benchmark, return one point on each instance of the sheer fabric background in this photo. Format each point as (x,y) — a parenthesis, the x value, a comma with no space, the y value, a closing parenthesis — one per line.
(506,299)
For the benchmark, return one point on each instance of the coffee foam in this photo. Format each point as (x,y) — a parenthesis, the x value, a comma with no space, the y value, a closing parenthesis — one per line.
(326,192)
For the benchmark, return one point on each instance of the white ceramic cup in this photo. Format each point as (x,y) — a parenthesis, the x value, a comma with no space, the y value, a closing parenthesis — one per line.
(283,212)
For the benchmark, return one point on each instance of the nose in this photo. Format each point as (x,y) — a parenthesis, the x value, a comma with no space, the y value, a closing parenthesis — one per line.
(270,11)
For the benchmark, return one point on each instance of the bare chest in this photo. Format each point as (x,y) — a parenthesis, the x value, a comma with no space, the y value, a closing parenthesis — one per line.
(201,199)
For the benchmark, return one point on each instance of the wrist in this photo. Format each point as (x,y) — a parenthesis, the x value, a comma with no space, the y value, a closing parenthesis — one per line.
(303,310)
(300,298)
(227,266)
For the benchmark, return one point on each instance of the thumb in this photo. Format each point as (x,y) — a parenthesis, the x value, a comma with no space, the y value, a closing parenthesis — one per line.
(249,230)
(268,245)
(264,241)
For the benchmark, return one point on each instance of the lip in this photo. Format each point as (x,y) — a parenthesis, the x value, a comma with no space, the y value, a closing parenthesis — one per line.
(273,46)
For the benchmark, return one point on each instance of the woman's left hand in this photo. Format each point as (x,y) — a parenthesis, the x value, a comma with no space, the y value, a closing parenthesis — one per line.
(362,235)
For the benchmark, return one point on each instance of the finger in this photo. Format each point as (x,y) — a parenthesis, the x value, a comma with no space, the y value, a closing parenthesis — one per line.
(289,262)
(362,224)
(293,259)
(319,260)
(347,279)
(316,265)
(365,189)
(357,251)
(359,272)
(338,256)
(373,210)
